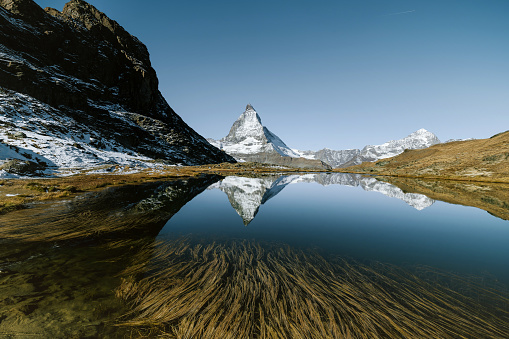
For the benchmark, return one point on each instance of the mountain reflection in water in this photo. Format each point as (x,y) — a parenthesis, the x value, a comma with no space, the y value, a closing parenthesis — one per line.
(169,258)
(247,194)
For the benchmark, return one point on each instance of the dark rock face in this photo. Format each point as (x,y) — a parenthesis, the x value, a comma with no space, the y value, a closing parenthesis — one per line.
(86,64)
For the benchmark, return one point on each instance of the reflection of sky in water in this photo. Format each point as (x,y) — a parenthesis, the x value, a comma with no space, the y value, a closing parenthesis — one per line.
(360,224)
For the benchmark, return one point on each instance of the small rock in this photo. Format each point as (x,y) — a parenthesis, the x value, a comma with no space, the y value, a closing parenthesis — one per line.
(20,135)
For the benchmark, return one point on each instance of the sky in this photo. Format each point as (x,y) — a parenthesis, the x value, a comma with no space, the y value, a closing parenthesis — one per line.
(336,74)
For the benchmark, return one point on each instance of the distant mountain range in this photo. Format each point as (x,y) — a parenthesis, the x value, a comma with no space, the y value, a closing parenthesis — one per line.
(249,140)
(344,158)
(474,159)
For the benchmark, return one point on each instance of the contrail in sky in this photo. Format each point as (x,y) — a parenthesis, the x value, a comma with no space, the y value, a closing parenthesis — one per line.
(406,12)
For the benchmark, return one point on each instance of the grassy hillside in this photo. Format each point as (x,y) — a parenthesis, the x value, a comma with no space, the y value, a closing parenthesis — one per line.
(491,197)
(479,160)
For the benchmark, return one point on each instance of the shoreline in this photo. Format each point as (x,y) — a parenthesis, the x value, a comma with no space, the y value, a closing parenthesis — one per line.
(19,193)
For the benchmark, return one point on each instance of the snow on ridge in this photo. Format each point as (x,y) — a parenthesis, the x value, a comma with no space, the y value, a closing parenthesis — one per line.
(416,140)
(417,201)
(34,131)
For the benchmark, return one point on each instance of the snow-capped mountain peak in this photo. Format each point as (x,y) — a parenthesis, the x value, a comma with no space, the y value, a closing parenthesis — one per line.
(248,125)
(248,136)
(246,195)
(416,140)
(421,138)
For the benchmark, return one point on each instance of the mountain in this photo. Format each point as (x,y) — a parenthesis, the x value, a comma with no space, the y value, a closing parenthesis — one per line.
(249,140)
(246,195)
(417,140)
(249,136)
(75,83)
(335,158)
(344,158)
(476,160)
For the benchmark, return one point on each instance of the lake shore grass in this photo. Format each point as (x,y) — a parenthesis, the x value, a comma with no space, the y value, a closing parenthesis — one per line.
(246,289)
(16,194)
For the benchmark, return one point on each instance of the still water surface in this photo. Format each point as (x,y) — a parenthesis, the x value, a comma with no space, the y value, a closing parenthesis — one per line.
(315,255)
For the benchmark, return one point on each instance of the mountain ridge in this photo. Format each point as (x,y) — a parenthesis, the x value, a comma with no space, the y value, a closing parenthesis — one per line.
(345,158)
(247,195)
(84,72)
(471,160)
(249,140)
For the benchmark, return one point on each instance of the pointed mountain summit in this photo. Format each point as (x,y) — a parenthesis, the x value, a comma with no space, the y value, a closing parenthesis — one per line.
(249,136)
(246,195)
(249,140)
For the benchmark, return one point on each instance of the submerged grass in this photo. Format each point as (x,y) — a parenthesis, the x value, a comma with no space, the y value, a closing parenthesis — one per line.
(245,290)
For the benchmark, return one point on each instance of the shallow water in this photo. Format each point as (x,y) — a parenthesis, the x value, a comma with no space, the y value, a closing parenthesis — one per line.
(315,255)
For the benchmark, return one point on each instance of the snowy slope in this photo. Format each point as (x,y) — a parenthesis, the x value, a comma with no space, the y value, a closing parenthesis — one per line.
(32,130)
(417,140)
(335,158)
(246,195)
(77,90)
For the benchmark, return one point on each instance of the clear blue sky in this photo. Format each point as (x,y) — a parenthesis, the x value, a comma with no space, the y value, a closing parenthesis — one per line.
(338,74)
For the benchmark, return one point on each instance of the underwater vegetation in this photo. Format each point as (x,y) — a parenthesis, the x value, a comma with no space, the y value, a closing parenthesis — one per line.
(244,289)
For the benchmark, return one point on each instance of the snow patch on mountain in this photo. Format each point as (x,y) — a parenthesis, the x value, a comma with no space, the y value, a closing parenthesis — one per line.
(246,195)
(339,158)
(417,201)
(34,131)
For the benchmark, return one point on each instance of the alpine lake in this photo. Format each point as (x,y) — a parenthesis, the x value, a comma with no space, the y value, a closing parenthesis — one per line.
(315,255)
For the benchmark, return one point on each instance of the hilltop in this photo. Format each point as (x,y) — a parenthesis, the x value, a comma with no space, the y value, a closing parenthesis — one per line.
(481,160)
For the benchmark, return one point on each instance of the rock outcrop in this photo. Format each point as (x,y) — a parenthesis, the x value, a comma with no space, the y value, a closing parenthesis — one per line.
(86,66)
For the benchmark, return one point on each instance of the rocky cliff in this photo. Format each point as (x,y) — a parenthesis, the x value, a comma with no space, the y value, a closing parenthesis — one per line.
(87,69)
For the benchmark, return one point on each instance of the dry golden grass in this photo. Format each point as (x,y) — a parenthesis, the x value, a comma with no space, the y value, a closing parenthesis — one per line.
(244,290)
(471,160)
